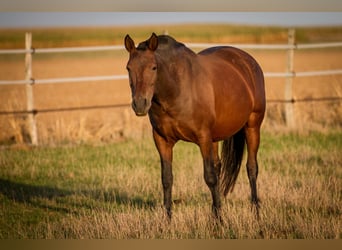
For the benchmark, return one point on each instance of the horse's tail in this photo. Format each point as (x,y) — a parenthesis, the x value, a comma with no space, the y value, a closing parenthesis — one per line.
(232,153)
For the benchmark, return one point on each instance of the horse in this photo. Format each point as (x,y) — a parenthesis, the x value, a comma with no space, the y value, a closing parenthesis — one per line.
(215,95)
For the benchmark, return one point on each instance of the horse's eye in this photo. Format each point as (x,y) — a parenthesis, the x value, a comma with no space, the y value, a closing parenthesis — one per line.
(154,68)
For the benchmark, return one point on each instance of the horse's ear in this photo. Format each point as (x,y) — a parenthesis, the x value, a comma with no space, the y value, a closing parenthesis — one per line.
(153,42)
(129,43)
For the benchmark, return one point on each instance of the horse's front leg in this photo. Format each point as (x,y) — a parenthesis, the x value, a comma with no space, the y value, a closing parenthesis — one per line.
(165,153)
(208,151)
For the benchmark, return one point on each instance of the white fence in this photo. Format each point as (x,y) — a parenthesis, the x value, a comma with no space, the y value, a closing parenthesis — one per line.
(289,74)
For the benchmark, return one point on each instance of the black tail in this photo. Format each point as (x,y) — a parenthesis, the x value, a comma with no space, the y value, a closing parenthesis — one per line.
(232,153)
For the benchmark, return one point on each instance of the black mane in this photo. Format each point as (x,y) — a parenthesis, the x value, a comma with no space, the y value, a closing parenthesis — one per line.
(168,47)
(164,42)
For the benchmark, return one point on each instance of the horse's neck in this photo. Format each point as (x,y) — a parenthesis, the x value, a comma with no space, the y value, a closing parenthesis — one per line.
(167,86)
(174,69)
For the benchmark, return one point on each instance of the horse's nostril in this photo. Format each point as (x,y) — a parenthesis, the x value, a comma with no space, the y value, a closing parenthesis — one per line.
(134,105)
(140,105)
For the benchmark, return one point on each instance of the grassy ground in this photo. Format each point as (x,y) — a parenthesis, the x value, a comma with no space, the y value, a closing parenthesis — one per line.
(114,191)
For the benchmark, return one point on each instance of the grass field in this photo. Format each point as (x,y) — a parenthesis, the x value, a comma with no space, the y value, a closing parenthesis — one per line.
(114,191)
(62,37)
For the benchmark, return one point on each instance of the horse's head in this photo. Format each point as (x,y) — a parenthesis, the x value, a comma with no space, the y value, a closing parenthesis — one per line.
(142,71)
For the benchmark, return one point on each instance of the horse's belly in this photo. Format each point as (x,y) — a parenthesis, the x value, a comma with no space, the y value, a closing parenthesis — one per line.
(230,119)
(223,132)
(233,106)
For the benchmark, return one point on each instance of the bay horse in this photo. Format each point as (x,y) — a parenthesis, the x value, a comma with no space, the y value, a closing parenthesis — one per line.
(206,97)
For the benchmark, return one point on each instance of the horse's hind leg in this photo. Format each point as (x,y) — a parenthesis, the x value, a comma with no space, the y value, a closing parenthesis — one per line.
(217,161)
(252,130)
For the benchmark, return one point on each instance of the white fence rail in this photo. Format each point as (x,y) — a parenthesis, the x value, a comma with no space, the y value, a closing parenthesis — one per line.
(191,45)
(289,74)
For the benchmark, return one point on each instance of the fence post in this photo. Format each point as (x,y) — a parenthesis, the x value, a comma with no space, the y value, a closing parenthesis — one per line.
(289,112)
(31,119)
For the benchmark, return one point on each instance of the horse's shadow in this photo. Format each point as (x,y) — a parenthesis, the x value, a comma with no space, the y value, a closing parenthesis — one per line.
(35,195)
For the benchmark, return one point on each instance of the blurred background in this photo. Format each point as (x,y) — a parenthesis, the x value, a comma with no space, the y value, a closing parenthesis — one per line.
(96,107)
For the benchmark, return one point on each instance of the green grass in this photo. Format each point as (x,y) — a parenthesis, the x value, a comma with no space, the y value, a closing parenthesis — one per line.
(64,37)
(114,191)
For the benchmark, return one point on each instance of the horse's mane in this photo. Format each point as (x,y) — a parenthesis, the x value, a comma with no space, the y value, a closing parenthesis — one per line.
(164,42)
(167,46)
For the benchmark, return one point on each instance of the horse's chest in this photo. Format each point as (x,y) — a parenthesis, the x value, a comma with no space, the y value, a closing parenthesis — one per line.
(173,128)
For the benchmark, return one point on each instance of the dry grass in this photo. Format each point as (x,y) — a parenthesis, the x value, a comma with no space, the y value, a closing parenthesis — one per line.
(114,191)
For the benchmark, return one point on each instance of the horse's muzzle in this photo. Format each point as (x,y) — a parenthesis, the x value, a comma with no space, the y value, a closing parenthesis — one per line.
(141,106)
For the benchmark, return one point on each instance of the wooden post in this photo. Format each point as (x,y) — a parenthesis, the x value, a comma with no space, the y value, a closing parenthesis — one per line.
(289,112)
(31,120)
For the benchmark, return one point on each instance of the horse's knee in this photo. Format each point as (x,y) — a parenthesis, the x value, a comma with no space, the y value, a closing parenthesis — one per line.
(167,182)
(218,168)
(167,177)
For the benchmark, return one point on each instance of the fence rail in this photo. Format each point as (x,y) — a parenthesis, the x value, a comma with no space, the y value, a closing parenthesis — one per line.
(33,81)
(191,45)
(289,74)
(125,77)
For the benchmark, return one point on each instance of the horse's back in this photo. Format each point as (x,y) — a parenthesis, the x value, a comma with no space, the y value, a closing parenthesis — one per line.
(238,61)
